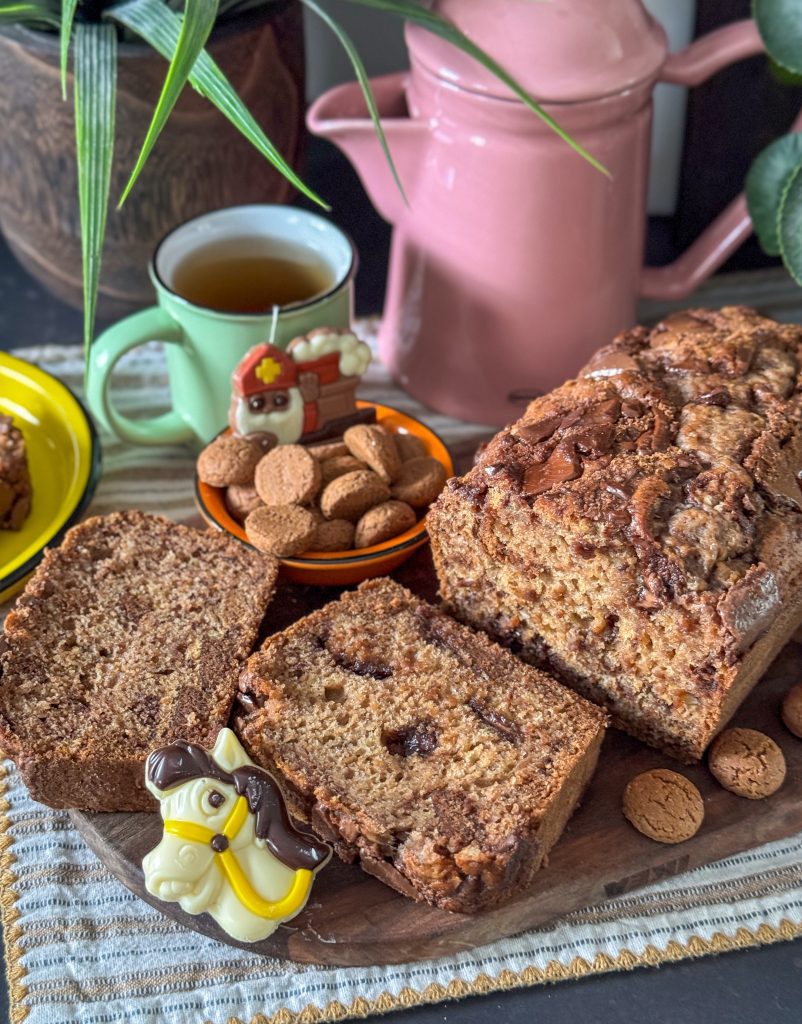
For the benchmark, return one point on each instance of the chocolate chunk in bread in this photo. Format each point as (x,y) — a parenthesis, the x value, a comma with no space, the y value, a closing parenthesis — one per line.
(130,635)
(440,762)
(638,531)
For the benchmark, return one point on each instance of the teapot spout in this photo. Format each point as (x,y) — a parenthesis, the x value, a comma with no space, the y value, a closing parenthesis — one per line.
(341,115)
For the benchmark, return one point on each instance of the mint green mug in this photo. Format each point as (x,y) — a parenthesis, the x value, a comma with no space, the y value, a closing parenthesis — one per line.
(204,345)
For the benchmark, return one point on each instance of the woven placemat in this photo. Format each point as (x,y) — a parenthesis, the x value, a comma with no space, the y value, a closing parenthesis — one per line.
(81,947)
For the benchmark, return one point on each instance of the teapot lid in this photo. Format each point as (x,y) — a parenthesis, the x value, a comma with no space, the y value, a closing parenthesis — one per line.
(561,51)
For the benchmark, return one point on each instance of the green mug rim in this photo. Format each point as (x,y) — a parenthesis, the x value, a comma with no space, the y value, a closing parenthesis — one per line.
(284,311)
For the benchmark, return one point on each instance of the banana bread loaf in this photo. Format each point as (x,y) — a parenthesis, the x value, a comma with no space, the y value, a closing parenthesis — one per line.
(15,481)
(638,532)
(443,764)
(128,636)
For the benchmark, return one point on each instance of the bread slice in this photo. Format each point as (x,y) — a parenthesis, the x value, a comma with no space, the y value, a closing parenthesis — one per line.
(128,636)
(441,762)
(15,480)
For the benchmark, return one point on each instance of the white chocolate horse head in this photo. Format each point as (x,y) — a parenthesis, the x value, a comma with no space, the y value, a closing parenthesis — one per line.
(229,848)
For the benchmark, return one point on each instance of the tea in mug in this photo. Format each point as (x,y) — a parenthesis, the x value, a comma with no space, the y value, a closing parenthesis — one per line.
(245,276)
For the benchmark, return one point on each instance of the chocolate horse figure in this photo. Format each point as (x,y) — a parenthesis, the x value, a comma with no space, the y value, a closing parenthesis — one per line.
(229,847)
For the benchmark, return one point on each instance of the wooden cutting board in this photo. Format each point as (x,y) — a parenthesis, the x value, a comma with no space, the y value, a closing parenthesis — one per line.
(352,919)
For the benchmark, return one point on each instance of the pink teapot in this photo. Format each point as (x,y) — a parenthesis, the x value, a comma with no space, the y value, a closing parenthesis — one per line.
(514,258)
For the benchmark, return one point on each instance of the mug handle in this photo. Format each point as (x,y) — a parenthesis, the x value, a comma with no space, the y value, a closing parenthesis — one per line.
(692,66)
(149,325)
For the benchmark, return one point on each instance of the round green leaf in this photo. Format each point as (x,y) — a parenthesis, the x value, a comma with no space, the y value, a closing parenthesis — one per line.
(765,182)
(780,25)
(790,225)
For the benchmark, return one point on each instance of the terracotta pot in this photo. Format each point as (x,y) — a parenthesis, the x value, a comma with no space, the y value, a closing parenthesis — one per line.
(199,163)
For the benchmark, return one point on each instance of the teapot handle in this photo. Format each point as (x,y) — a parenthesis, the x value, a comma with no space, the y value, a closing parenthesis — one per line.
(691,66)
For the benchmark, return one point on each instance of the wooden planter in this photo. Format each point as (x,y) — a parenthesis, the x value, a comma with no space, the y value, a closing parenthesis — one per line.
(199,163)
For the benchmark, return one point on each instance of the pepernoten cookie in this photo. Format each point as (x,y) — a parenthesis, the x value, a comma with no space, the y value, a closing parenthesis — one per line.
(382,522)
(419,481)
(663,805)
(242,499)
(287,475)
(792,710)
(333,535)
(747,762)
(281,530)
(228,460)
(376,448)
(351,495)
(409,446)
(338,465)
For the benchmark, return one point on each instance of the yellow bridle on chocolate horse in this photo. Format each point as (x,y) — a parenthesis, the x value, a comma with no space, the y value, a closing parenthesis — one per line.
(232,871)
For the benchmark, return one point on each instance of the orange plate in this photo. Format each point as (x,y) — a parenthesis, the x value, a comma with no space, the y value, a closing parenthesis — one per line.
(336,568)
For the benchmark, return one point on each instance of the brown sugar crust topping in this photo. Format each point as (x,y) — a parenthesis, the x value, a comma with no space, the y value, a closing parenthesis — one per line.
(281,530)
(663,805)
(792,710)
(376,448)
(747,763)
(288,475)
(680,438)
(228,460)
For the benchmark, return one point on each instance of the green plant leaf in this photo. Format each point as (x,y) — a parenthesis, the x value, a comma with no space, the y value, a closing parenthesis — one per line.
(95,77)
(33,12)
(67,17)
(780,24)
(790,225)
(364,83)
(765,182)
(159,26)
(196,24)
(438,26)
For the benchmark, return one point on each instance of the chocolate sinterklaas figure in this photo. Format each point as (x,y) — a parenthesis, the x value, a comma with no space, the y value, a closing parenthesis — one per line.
(304,394)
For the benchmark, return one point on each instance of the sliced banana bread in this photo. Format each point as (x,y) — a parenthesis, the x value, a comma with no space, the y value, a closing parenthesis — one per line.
(128,636)
(638,532)
(441,762)
(15,480)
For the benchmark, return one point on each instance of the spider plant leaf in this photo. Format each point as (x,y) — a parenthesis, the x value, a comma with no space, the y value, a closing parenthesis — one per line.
(196,24)
(159,26)
(790,225)
(765,184)
(95,83)
(419,15)
(780,25)
(364,83)
(67,17)
(29,12)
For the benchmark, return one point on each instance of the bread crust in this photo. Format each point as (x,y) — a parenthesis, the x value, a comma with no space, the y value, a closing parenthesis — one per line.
(639,531)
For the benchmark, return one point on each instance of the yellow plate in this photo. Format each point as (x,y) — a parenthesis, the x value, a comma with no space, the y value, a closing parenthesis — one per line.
(64,461)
